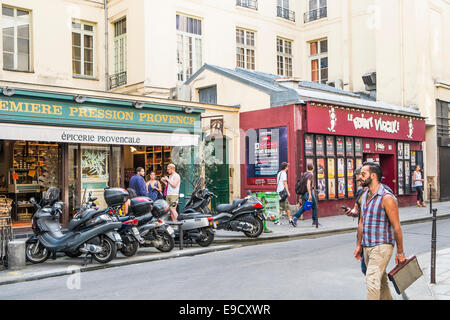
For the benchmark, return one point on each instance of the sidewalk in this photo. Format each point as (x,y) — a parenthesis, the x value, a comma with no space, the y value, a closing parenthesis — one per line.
(227,240)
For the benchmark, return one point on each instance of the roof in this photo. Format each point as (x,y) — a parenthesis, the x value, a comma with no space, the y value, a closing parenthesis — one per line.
(284,91)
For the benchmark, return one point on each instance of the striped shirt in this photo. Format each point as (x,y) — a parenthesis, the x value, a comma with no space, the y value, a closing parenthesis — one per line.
(377,229)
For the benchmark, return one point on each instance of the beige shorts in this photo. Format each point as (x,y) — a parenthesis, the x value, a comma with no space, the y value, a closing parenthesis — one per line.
(284,205)
(172,200)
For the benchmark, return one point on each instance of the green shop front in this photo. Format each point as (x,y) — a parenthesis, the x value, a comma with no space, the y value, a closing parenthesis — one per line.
(84,143)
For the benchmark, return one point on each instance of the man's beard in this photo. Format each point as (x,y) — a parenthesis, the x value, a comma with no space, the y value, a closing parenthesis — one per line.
(367,182)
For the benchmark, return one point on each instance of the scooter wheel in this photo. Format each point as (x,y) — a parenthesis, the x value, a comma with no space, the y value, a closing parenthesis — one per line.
(164,241)
(258,226)
(130,249)
(109,250)
(41,254)
(209,234)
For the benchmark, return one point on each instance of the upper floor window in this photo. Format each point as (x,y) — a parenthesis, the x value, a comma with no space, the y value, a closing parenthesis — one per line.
(317,10)
(318,58)
(82,49)
(284,57)
(16,39)
(245,49)
(189,46)
(283,10)
(119,77)
(251,4)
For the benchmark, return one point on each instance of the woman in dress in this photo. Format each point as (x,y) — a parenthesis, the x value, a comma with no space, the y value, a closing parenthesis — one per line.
(153,187)
(418,184)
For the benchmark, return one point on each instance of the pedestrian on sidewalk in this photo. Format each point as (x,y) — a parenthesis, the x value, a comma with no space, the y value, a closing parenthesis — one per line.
(418,184)
(379,230)
(173,182)
(137,183)
(283,191)
(308,179)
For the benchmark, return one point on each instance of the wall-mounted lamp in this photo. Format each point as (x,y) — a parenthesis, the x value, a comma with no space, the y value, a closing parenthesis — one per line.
(7,91)
(188,109)
(79,99)
(138,105)
(133,149)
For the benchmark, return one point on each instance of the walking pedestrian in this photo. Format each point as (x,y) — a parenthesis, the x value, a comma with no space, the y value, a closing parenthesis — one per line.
(154,187)
(418,184)
(173,182)
(137,183)
(308,196)
(283,191)
(379,230)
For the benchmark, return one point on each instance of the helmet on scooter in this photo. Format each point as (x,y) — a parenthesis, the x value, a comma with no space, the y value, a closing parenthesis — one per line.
(160,208)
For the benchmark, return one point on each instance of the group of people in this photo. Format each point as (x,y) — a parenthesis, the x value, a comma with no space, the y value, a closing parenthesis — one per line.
(153,189)
(379,228)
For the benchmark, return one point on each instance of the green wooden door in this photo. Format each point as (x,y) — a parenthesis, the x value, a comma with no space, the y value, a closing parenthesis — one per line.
(218,177)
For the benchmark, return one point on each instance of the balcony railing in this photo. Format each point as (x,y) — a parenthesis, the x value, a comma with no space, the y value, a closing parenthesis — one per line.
(315,14)
(251,4)
(117,80)
(285,13)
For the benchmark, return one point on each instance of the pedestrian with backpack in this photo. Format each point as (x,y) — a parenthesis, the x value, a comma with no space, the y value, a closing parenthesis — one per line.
(305,188)
(283,191)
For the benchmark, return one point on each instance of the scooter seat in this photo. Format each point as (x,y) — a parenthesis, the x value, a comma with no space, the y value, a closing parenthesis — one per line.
(144,219)
(229,207)
(84,217)
(188,216)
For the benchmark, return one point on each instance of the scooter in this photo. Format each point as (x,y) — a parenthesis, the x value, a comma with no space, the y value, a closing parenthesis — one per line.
(99,238)
(196,226)
(243,215)
(152,229)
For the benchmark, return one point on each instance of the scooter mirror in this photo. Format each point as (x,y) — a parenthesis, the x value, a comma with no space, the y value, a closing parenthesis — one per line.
(181,195)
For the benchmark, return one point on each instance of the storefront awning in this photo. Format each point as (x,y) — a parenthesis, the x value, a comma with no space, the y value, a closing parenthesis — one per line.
(9,131)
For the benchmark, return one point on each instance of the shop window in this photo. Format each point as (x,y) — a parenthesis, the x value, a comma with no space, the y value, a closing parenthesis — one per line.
(95,170)
(284,57)
(245,49)
(189,46)
(83,49)
(318,61)
(16,25)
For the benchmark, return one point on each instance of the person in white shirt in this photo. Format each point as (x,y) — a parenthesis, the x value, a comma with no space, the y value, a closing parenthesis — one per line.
(282,183)
(173,190)
(418,184)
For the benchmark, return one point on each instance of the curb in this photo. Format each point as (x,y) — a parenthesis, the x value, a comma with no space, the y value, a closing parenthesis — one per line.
(115,263)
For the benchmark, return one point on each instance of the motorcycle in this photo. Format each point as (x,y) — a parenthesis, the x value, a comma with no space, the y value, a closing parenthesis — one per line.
(99,238)
(152,229)
(243,215)
(196,226)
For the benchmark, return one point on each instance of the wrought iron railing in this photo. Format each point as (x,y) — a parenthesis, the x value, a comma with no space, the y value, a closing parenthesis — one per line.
(251,4)
(315,14)
(285,13)
(117,80)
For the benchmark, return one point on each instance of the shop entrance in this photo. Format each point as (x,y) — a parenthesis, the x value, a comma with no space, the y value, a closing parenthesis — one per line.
(387,163)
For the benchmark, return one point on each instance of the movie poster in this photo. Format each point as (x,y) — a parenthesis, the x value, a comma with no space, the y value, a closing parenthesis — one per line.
(331,179)
(340,147)
(349,147)
(407,177)
(358,163)
(400,151)
(413,160)
(320,148)
(400,178)
(330,146)
(309,145)
(406,151)
(321,181)
(358,147)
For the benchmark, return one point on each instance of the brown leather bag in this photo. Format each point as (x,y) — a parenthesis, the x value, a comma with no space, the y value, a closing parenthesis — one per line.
(405,274)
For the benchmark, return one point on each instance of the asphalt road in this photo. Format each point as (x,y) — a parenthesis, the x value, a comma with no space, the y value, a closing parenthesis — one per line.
(321,268)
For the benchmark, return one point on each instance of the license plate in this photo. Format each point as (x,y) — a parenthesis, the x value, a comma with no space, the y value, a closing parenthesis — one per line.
(135,231)
(170,230)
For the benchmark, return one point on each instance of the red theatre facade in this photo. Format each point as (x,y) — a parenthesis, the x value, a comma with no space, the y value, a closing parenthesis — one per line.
(336,139)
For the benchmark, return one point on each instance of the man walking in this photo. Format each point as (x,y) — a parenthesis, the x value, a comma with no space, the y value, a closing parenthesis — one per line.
(282,187)
(378,228)
(308,196)
(137,183)
(173,190)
